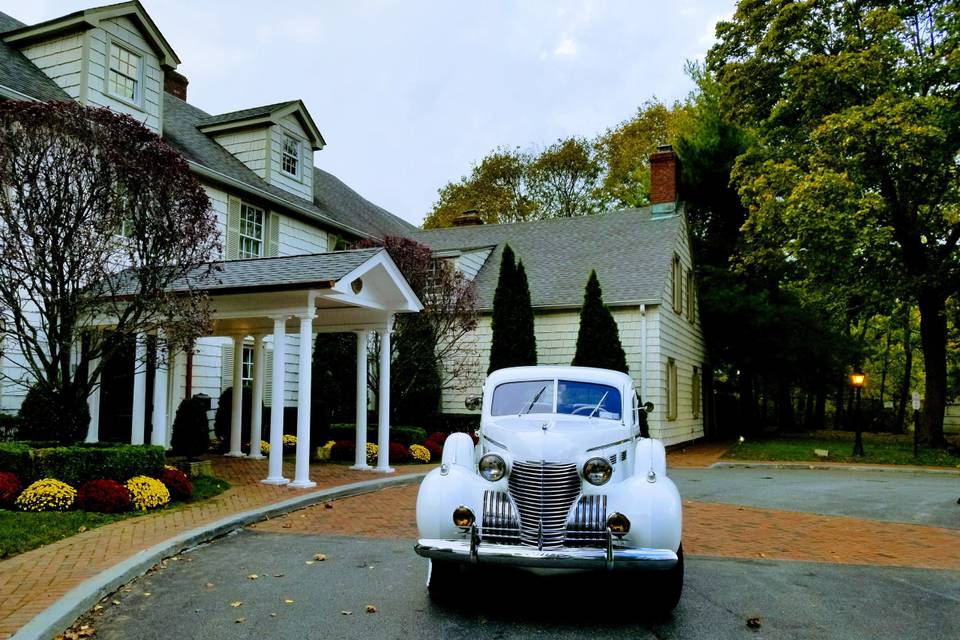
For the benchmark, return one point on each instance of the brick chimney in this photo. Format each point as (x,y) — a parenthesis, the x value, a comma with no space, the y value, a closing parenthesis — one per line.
(664,175)
(175,84)
(469,218)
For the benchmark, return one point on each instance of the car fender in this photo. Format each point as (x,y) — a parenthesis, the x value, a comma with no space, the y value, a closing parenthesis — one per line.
(653,508)
(440,493)
(458,449)
(650,455)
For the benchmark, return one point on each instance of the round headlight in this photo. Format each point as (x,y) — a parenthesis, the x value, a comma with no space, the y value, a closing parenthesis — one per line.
(492,467)
(597,471)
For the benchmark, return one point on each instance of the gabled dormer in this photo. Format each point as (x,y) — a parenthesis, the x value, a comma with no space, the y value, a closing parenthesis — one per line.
(276,141)
(112,56)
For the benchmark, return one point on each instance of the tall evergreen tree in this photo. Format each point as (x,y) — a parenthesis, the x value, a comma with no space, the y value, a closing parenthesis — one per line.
(598,342)
(513,343)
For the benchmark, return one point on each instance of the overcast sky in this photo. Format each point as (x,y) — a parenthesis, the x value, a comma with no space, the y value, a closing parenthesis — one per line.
(408,93)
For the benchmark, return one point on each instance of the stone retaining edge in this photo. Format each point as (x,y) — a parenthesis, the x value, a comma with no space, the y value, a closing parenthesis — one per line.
(62,613)
(818,466)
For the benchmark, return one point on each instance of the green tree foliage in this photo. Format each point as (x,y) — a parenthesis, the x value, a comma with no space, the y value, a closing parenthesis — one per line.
(598,341)
(513,343)
(333,380)
(854,176)
(191,430)
(415,374)
(42,418)
(562,180)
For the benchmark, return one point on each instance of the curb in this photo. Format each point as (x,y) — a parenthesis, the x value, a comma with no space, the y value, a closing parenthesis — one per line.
(61,614)
(815,466)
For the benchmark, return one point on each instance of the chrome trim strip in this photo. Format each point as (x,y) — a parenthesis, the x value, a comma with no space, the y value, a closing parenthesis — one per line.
(612,444)
(492,441)
(609,556)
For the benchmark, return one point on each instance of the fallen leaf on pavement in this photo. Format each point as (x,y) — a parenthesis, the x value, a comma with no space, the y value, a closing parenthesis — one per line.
(209,585)
(287,601)
(308,562)
(147,593)
(116,602)
(319,557)
(81,529)
(278,575)
(328,505)
(347,613)
(98,607)
(240,620)
(252,576)
(273,615)
(753,623)
(371,608)
(286,525)
(236,603)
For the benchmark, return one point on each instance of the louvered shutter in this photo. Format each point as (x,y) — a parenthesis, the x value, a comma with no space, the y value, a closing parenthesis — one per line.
(233,229)
(226,366)
(268,378)
(273,235)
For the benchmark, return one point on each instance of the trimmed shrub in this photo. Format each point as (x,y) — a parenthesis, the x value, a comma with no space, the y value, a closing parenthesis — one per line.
(177,483)
(452,422)
(16,458)
(419,453)
(9,489)
(435,449)
(438,437)
(147,493)
(103,496)
(598,341)
(77,464)
(191,431)
(399,453)
(47,495)
(404,435)
(47,416)
(222,418)
(343,450)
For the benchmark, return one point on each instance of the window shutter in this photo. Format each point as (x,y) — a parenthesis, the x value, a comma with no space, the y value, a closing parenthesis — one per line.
(226,366)
(268,378)
(233,229)
(273,235)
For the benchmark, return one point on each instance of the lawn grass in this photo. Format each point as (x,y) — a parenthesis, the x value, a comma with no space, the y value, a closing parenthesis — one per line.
(22,531)
(880,448)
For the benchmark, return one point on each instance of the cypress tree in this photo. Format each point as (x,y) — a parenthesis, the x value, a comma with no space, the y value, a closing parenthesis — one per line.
(598,342)
(513,343)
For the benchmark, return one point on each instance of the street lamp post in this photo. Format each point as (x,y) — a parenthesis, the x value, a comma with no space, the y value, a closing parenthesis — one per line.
(858,379)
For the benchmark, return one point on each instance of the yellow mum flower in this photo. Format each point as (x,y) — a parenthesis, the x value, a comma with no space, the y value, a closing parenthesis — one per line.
(47,495)
(289,441)
(147,493)
(264,447)
(372,452)
(419,453)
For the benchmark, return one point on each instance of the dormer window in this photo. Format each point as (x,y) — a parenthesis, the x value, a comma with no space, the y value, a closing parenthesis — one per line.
(124,78)
(291,156)
(251,232)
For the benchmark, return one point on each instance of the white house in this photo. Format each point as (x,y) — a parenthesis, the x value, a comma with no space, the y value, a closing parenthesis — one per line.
(282,218)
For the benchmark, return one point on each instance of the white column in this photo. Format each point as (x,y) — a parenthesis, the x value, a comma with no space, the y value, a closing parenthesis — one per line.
(275,474)
(256,416)
(360,461)
(139,390)
(236,410)
(158,433)
(93,404)
(383,428)
(301,478)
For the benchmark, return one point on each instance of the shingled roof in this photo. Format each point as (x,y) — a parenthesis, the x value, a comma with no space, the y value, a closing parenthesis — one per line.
(630,251)
(21,75)
(244,114)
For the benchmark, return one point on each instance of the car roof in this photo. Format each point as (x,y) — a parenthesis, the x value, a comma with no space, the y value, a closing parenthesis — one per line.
(551,372)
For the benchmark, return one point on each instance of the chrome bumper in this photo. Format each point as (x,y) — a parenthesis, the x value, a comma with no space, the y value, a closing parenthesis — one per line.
(472,551)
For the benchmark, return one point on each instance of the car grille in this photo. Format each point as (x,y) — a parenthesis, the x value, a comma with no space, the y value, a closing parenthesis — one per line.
(587,525)
(499,523)
(543,493)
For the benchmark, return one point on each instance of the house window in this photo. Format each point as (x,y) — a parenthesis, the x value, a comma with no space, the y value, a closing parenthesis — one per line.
(677,273)
(671,389)
(247,366)
(695,396)
(691,298)
(123,79)
(251,231)
(291,156)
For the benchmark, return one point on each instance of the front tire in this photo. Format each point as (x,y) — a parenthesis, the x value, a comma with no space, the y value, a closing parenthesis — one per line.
(441,578)
(669,587)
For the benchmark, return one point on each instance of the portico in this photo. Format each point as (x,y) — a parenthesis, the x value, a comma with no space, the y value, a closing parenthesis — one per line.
(270,300)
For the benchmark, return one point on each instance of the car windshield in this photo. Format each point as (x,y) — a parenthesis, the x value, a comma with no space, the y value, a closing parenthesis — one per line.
(519,398)
(588,399)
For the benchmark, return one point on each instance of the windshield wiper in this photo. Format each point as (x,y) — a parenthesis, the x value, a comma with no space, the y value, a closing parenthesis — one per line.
(534,401)
(596,408)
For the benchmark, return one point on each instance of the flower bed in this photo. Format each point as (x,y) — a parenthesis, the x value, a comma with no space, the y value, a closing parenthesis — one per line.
(47,495)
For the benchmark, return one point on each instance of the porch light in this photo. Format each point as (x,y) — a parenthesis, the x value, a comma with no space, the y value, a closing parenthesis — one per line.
(858,379)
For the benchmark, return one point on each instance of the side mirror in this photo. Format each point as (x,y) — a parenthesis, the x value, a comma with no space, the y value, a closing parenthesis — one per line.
(648,407)
(473,403)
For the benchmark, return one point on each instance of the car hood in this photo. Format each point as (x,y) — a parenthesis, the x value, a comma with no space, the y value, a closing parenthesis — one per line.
(551,438)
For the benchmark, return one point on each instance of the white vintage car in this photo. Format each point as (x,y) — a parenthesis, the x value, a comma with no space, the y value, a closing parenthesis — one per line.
(563,478)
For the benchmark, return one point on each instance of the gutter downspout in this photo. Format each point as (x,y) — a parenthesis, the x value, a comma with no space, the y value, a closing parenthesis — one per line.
(643,353)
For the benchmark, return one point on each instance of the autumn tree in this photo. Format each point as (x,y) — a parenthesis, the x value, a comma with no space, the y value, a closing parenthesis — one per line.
(87,194)
(598,340)
(855,170)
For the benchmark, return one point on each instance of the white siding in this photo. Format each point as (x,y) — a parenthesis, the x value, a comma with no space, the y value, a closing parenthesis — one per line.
(303,184)
(61,60)
(250,148)
(469,263)
(125,32)
(298,237)
(678,338)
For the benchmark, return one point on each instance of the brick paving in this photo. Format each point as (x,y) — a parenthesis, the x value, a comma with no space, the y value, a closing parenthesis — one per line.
(699,455)
(709,529)
(32,581)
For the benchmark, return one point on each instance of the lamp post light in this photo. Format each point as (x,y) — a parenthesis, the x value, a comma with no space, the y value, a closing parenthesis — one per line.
(858,380)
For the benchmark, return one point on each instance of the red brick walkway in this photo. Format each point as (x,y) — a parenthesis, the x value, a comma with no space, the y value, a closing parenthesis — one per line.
(32,581)
(699,455)
(709,529)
